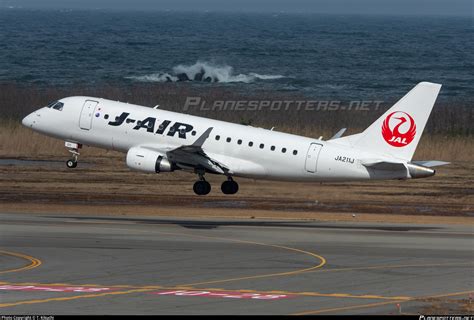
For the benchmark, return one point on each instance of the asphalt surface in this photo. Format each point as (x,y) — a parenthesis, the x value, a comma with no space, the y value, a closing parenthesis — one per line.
(58,264)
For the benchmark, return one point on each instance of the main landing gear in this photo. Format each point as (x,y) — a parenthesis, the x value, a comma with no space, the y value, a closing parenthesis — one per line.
(73,148)
(202,187)
(229,186)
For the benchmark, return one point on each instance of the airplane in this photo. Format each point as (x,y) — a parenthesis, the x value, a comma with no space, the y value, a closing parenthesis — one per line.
(157,141)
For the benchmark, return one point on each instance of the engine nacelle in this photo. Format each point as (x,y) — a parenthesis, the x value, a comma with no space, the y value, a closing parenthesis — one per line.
(416,171)
(145,160)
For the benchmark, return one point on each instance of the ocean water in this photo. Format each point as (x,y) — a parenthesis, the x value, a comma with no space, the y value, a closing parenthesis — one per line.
(320,56)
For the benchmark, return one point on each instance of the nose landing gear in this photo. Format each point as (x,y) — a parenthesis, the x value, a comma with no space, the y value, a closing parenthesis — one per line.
(73,148)
(71,163)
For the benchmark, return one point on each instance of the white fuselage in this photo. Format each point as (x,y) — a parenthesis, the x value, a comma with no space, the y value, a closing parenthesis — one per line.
(247,151)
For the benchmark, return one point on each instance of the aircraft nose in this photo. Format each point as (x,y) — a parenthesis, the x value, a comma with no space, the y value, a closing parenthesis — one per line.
(28,121)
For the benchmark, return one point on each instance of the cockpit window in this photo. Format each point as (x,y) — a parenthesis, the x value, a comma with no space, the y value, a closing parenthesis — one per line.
(51,104)
(56,105)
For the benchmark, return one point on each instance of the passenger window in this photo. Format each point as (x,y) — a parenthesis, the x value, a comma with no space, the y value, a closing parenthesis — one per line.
(229,139)
(250,143)
(106,116)
(239,141)
(272,148)
(295,152)
(262,145)
(283,150)
(218,137)
(193,132)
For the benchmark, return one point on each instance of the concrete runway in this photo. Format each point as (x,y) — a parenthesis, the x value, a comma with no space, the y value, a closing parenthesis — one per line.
(53,264)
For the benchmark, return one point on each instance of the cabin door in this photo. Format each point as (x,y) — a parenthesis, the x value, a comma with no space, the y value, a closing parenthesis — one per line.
(312,156)
(87,113)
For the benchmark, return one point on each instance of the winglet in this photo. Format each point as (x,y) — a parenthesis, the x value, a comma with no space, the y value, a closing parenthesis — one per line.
(339,134)
(200,141)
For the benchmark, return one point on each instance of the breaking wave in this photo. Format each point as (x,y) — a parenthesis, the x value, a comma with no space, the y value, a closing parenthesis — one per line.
(203,72)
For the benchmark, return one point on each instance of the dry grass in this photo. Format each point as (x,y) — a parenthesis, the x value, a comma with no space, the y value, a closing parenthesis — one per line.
(447,148)
(105,184)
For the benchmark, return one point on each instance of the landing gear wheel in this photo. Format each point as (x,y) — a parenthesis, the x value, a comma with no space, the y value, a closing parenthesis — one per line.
(71,164)
(202,187)
(229,187)
(73,148)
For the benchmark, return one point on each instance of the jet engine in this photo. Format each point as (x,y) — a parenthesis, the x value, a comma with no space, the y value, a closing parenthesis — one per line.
(146,160)
(416,171)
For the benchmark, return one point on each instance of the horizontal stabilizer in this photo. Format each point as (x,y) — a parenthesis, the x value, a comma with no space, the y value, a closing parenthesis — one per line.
(431,163)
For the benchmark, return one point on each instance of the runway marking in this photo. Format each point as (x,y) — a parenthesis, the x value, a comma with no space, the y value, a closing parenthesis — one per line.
(54,288)
(187,288)
(84,296)
(376,304)
(314,294)
(34,263)
(222,294)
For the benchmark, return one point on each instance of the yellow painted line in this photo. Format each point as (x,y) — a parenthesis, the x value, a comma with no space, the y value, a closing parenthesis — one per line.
(299,271)
(310,294)
(85,296)
(34,263)
(280,274)
(190,286)
(447,295)
(396,266)
(344,308)
(370,305)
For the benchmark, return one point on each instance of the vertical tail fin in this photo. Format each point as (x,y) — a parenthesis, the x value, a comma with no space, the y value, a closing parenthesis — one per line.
(398,131)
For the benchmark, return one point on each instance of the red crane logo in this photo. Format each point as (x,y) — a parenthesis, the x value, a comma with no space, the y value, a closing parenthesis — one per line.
(398,120)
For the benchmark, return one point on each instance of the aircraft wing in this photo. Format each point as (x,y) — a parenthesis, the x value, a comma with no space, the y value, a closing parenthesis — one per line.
(193,156)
